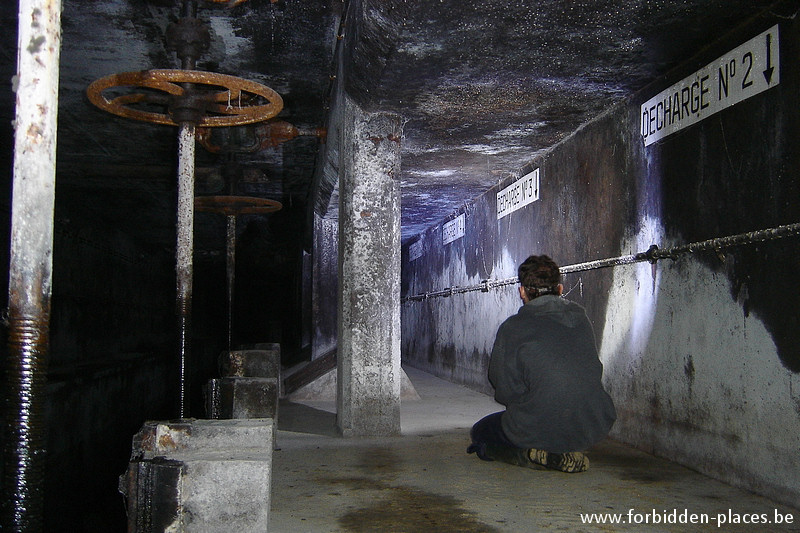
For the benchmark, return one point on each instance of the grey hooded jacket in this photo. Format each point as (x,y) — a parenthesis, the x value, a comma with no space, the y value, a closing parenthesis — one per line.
(546,371)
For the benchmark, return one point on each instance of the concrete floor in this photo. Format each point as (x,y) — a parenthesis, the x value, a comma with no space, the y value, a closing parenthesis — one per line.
(424,481)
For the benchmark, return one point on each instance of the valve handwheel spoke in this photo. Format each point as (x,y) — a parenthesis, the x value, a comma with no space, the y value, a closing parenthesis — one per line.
(227,100)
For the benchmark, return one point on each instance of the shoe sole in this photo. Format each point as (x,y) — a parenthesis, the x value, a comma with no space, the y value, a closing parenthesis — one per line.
(570,462)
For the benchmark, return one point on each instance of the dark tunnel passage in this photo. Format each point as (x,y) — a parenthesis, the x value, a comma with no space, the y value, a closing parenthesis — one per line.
(420,153)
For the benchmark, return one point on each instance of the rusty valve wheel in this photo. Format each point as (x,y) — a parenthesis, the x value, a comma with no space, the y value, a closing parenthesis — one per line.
(211,100)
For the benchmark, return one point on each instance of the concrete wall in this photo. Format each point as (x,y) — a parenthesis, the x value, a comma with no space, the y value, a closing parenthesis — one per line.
(701,352)
(325,280)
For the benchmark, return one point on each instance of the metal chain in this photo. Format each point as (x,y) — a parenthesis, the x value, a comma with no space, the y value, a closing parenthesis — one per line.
(653,254)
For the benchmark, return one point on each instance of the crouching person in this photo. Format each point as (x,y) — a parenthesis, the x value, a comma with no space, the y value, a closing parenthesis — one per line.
(545,370)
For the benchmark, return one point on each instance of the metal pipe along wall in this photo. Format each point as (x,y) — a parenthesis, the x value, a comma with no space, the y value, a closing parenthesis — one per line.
(653,254)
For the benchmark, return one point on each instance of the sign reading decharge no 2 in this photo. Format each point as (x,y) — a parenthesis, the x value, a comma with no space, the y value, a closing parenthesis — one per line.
(745,71)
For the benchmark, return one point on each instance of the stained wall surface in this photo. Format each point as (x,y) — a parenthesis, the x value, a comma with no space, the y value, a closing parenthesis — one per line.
(325,281)
(700,352)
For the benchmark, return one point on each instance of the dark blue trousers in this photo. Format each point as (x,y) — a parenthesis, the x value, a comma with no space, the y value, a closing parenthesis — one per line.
(490,443)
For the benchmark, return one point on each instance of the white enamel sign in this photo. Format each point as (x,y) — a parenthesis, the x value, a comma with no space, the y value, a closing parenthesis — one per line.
(519,194)
(743,72)
(453,229)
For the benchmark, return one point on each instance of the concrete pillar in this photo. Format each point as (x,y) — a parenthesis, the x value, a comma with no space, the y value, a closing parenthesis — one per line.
(368,363)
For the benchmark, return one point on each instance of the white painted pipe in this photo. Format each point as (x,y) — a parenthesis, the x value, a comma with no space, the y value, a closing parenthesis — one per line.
(231,272)
(30,267)
(183,253)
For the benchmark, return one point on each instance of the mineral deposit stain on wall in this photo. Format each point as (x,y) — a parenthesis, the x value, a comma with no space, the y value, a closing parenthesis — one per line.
(631,311)
(706,385)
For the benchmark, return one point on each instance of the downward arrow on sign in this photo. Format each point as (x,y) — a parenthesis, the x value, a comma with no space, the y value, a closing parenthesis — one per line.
(770,69)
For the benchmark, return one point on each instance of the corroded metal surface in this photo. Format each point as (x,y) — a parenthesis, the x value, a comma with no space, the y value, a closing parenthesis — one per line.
(30,267)
(226,101)
(236,205)
(183,253)
(231,206)
(255,138)
(25,451)
(230,268)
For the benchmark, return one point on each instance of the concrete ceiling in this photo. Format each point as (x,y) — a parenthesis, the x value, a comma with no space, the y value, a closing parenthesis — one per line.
(485,86)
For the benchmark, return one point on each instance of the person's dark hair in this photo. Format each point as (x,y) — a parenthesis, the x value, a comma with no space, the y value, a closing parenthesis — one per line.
(539,275)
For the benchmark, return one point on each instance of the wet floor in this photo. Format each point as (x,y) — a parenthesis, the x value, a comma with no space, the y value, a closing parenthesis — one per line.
(424,481)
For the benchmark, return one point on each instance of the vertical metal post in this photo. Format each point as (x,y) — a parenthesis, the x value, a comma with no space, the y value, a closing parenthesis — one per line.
(184,250)
(231,272)
(183,254)
(30,268)
(189,10)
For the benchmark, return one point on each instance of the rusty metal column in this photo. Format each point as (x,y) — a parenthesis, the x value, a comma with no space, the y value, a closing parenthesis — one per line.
(183,254)
(184,251)
(30,268)
(230,206)
(231,271)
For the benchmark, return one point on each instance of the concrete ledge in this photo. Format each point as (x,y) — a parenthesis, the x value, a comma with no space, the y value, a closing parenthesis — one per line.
(179,437)
(222,495)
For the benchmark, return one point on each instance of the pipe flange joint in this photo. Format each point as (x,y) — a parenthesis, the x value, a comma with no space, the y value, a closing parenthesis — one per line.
(189,38)
(188,107)
(652,254)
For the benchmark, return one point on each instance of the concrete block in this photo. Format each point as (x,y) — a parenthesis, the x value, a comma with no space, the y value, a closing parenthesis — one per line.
(242,397)
(256,363)
(200,476)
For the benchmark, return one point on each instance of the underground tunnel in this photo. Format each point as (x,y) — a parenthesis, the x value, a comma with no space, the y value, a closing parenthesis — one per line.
(287,232)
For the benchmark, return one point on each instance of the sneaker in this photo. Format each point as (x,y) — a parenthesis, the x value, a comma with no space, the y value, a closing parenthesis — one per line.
(568,462)
(538,457)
